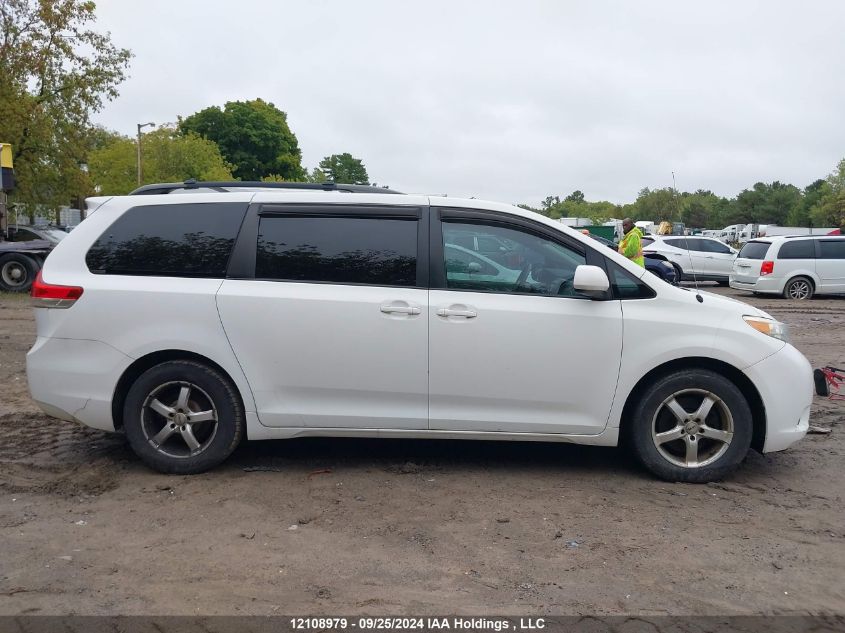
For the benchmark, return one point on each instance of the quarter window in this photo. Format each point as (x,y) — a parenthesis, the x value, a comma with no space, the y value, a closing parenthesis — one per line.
(169,240)
(625,285)
(514,261)
(341,250)
(832,249)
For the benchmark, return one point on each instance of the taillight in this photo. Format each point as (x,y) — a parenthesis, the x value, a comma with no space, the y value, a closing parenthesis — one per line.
(44,295)
(767,268)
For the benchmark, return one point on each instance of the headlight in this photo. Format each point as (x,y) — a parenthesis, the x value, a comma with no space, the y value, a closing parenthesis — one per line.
(772,328)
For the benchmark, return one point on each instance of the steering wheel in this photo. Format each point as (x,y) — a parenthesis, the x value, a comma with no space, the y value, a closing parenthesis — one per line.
(523,276)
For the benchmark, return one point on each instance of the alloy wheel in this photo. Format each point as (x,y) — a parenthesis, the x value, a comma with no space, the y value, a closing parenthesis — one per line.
(799,289)
(692,428)
(179,419)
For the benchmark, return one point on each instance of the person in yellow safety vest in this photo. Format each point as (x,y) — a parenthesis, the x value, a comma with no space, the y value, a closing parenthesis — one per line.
(631,245)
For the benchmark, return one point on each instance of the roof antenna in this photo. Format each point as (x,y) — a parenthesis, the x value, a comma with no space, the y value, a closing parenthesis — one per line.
(686,241)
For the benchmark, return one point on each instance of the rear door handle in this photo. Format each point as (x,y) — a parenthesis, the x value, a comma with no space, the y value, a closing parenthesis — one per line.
(390,308)
(447,312)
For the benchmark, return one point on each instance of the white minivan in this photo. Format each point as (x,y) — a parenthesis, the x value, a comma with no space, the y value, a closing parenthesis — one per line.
(796,267)
(254,310)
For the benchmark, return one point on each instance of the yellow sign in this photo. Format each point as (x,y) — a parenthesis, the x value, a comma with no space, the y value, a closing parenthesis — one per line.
(5,155)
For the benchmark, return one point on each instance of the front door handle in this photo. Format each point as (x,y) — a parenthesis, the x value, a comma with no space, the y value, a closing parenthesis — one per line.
(391,308)
(447,312)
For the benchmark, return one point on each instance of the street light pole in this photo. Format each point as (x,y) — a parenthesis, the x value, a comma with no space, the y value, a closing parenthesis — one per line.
(140,127)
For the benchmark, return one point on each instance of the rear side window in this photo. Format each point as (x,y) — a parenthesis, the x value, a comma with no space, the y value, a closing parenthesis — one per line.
(169,240)
(832,249)
(714,246)
(800,249)
(754,250)
(341,250)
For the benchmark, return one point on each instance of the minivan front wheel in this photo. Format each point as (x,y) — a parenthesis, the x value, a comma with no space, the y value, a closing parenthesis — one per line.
(183,417)
(693,426)
(799,288)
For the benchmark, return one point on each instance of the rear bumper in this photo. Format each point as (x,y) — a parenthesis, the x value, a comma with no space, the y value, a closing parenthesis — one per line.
(765,285)
(75,379)
(785,383)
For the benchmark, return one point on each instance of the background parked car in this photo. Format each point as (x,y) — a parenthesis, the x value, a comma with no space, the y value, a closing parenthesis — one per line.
(796,267)
(700,258)
(655,263)
(22,254)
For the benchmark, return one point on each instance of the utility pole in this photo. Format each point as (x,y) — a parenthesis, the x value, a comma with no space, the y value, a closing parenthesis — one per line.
(140,127)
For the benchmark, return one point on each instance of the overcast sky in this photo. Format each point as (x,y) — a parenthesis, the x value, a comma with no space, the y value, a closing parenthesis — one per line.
(510,101)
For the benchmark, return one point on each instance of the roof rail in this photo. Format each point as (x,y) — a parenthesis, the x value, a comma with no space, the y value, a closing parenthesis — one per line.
(226,185)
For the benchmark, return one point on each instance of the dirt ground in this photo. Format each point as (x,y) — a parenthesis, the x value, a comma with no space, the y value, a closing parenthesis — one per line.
(392,527)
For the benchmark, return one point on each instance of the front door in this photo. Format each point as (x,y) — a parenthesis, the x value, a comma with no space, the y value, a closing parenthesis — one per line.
(513,347)
(331,330)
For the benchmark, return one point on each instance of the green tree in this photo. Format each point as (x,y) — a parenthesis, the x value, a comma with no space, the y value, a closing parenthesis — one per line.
(55,71)
(575,196)
(167,157)
(253,136)
(767,203)
(811,196)
(830,209)
(655,205)
(344,168)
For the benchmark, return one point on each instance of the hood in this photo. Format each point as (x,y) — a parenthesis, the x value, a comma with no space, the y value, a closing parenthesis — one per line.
(729,303)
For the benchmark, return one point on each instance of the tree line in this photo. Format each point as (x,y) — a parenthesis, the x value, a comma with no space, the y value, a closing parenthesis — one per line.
(819,204)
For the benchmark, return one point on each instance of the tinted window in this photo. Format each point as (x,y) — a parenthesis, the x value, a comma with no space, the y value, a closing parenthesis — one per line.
(754,250)
(625,285)
(22,235)
(521,263)
(645,241)
(174,240)
(832,249)
(799,249)
(713,246)
(687,243)
(346,250)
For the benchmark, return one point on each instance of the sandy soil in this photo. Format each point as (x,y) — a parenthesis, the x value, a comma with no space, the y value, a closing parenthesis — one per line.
(361,526)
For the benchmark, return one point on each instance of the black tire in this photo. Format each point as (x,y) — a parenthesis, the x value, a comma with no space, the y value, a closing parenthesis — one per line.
(799,288)
(157,413)
(689,388)
(17,272)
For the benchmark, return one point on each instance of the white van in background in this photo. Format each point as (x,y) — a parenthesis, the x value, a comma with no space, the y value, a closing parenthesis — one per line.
(797,267)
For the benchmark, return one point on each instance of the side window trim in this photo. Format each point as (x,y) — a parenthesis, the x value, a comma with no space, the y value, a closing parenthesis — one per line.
(243,259)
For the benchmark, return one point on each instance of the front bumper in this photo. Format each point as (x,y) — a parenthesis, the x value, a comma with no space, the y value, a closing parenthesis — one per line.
(785,383)
(75,379)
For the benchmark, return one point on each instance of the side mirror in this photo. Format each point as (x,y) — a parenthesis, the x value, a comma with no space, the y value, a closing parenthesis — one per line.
(474,268)
(591,281)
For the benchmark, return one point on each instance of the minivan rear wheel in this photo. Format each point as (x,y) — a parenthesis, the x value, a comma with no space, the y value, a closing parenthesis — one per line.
(799,288)
(183,417)
(693,426)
